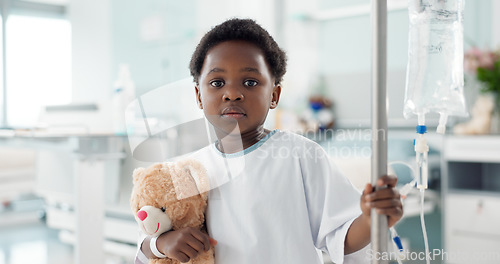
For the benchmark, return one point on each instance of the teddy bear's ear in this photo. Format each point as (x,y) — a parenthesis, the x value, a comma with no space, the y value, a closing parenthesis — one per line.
(138,175)
(194,172)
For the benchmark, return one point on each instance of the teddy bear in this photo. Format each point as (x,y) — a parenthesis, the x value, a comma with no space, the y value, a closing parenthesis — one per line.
(171,195)
(481,118)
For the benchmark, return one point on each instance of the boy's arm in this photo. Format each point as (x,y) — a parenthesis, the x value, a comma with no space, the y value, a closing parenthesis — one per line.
(181,245)
(386,201)
(358,235)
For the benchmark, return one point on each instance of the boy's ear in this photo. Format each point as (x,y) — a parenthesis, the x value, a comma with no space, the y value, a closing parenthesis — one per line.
(198,96)
(275,96)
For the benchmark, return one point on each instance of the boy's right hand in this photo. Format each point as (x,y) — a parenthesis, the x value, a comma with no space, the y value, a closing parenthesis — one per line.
(184,244)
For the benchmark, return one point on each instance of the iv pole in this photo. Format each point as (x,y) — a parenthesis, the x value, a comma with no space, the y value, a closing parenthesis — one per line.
(379,229)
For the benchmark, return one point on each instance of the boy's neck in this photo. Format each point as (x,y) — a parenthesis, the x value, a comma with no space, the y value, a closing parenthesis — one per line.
(235,143)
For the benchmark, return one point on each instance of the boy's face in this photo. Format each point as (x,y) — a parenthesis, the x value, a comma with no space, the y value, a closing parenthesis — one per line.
(236,85)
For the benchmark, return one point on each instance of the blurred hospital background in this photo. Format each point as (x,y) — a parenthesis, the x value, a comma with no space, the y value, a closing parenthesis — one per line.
(66,164)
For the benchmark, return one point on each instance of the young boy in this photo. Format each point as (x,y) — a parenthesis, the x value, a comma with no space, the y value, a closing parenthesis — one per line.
(276,198)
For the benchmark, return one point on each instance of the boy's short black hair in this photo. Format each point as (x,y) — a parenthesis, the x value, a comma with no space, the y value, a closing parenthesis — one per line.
(240,29)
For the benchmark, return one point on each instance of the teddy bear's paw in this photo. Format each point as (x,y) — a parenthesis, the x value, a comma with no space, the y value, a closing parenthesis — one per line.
(205,257)
(163,261)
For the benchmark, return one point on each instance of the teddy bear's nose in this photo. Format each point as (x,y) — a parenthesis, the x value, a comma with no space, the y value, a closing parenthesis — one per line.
(142,215)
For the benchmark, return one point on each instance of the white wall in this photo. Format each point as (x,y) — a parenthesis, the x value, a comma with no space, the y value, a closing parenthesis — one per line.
(157,38)
(495,29)
(301,42)
(91,38)
(108,32)
(260,10)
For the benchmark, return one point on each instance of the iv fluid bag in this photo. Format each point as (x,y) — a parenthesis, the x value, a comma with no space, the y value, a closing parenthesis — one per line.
(435,77)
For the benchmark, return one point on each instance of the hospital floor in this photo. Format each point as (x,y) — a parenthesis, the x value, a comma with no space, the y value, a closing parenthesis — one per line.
(35,243)
(31,241)
(25,238)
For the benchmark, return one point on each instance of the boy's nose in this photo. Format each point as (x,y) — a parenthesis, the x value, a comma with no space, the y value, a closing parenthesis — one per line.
(232,94)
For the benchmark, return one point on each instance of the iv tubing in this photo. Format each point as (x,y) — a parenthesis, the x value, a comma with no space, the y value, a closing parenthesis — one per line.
(421,119)
(396,239)
(424,230)
(398,245)
(443,118)
(403,191)
(397,242)
(421,154)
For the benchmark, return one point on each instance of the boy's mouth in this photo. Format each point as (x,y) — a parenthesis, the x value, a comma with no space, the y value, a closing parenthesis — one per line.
(233,112)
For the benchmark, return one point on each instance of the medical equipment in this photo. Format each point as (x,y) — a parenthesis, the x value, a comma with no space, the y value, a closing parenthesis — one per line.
(73,119)
(403,191)
(434,80)
(397,241)
(379,230)
(422,151)
(123,94)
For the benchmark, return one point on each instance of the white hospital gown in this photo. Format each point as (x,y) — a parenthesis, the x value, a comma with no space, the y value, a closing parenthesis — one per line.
(279,201)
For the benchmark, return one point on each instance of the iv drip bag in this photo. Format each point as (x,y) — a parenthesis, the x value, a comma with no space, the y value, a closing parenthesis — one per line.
(435,75)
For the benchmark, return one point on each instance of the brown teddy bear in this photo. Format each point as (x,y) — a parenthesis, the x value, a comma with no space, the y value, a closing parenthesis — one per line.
(480,123)
(171,195)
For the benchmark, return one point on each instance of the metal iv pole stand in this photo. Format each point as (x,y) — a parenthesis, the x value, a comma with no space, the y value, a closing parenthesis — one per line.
(379,229)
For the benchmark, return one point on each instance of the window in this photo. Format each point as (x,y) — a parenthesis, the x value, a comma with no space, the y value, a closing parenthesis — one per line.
(2,94)
(37,61)
(38,66)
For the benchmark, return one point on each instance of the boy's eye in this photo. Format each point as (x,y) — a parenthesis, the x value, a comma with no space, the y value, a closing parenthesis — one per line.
(250,83)
(217,83)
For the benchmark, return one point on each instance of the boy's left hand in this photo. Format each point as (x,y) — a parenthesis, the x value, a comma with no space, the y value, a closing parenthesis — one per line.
(386,201)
